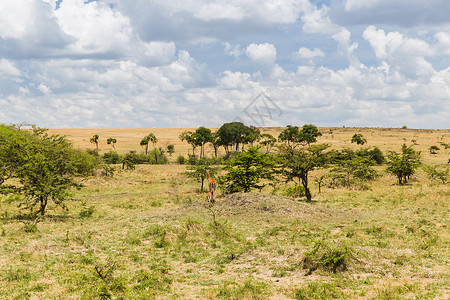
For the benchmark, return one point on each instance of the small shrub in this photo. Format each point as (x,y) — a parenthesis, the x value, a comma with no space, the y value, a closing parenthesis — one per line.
(112,157)
(87,212)
(437,174)
(30,227)
(433,149)
(181,160)
(296,191)
(327,258)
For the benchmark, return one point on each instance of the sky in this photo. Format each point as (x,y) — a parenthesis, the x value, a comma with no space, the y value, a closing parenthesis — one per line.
(190,63)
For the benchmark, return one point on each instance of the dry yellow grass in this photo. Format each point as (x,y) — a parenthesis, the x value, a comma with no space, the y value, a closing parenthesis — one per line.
(385,138)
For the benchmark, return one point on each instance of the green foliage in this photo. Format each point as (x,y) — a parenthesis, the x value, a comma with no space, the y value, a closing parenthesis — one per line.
(45,166)
(112,158)
(326,257)
(434,173)
(191,139)
(445,145)
(171,149)
(374,155)
(358,139)
(351,171)
(112,141)
(131,159)
(403,164)
(247,169)
(293,136)
(203,135)
(234,134)
(295,191)
(94,140)
(267,140)
(181,160)
(146,140)
(87,212)
(433,149)
(297,163)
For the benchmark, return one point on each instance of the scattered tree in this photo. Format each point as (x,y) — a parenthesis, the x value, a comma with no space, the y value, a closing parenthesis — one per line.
(191,138)
(170,149)
(293,136)
(94,140)
(403,164)
(203,135)
(268,141)
(112,141)
(433,149)
(296,163)
(434,173)
(247,169)
(235,134)
(45,166)
(359,139)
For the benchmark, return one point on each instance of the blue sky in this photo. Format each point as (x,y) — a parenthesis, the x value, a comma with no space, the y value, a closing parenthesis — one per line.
(173,63)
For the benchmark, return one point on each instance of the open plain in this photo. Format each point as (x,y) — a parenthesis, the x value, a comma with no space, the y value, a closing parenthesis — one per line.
(148,233)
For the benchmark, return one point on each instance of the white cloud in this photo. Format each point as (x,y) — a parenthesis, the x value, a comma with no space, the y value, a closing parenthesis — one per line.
(8,69)
(262,53)
(167,63)
(95,27)
(306,53)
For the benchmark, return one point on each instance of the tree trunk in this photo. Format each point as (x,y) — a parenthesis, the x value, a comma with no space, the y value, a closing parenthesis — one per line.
(305,186)
(43,201)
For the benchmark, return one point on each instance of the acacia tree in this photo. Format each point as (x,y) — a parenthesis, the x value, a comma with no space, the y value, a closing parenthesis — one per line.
(294,136)
(146,140)
(235,134)
(268,141)
(191,138)
(296,163)
(403,164)
(359,139)
(94,140)
(247,169)
(203,135)
(112,141)
(45,166)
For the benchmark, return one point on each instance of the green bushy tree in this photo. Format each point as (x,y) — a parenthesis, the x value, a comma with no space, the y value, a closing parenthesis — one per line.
(297,163)
(45,166)
(403,164)
(247,169)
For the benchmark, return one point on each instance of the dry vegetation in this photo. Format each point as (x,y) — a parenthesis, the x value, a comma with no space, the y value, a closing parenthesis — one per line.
(147,234)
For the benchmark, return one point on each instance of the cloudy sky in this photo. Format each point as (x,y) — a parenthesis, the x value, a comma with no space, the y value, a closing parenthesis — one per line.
(187,63)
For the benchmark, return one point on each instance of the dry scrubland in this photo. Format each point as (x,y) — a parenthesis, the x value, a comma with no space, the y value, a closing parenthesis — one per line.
(148,234)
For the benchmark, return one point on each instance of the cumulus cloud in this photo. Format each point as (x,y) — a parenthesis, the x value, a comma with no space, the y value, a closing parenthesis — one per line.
(306,53)
(264,54)
(173,63)
(404,54)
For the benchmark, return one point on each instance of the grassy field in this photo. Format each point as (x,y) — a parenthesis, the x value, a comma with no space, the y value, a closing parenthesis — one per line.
(148,233)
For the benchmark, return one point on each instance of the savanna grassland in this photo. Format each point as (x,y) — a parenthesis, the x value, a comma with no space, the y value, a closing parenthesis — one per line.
(148,233)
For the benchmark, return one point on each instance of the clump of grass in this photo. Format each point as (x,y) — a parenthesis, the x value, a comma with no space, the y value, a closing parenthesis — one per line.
(328,258)
(87,212)
(250,289)
(319,291)
(149,284)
